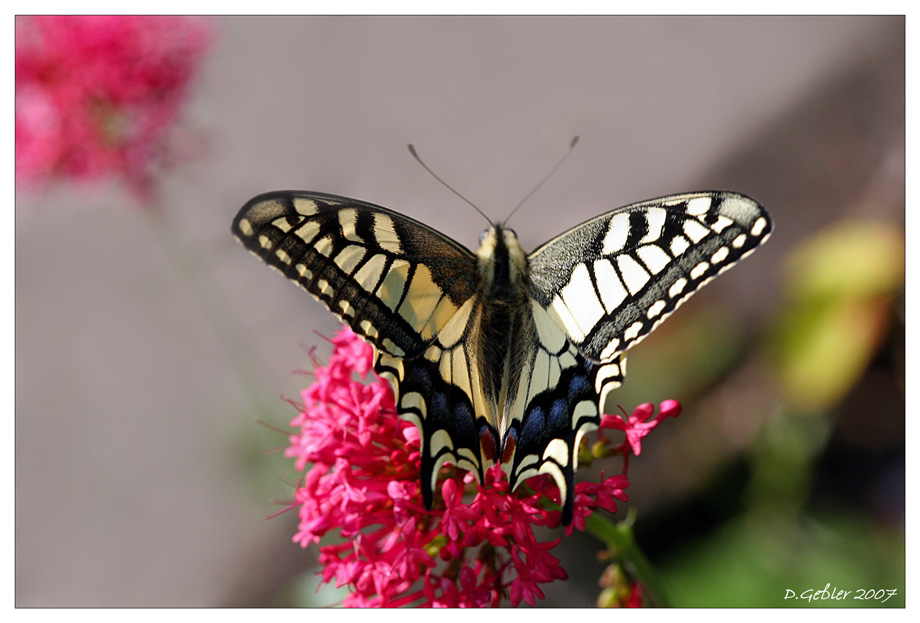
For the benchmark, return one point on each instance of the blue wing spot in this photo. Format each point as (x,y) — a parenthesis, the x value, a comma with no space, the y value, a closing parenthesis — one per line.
(534,424)
(463,419)
(577,386)
(559,414)
(439,405)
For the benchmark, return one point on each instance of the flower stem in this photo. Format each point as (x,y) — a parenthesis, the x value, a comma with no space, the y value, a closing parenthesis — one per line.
(621,544)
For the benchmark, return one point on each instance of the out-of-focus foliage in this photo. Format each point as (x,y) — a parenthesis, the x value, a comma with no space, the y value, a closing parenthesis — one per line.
(841,285)
(786,546)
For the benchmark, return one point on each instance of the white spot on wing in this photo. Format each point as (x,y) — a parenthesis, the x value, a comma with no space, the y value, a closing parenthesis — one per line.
(655,218)
(609,285)
(699,205)
(370,273)
(656,308)
(347,259)
(695,231)
(453,330)
(422,298)
(633,274)
(440,440)
(677,287)
(394,283)
(347,309)
(558,451)
(654,257)
(604,374)
(721,223)
(568,321)
(617,232)
(461,372)
(585,408)
(720,255)
(414,400)
(550,336)
(580,298)
(678,245)
(610,350)
(308,231)
(303,271)
(385,233)
(633,331)
(699,270)
(306,207)
(347,219)
(324,246)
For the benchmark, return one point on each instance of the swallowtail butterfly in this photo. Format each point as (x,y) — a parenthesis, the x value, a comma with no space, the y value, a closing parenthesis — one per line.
(500,355)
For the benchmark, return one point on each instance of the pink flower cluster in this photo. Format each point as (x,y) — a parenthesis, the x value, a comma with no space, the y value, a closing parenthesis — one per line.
(96,96)
(475,547)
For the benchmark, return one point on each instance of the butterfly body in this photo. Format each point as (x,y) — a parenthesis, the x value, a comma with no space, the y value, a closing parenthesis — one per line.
(500,356)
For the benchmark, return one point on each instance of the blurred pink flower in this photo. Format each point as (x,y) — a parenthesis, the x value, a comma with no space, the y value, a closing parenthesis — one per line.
(97,96)
(475,547)
(619,589)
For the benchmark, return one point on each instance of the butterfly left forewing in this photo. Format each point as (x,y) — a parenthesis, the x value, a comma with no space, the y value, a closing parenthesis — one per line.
(393,280)
(405,288)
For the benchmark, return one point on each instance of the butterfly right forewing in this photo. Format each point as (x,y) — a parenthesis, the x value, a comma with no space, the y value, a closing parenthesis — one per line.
(610,281)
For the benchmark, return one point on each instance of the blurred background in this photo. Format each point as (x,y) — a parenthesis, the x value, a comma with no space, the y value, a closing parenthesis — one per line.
(148,341)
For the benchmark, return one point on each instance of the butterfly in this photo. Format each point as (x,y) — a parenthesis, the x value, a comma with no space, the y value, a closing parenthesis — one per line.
(501,356)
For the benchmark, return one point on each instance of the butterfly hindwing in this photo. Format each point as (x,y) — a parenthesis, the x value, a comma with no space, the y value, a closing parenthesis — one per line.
(556,401)
(610,281)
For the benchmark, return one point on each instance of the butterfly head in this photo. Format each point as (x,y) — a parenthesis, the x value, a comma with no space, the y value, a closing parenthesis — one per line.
(502,261)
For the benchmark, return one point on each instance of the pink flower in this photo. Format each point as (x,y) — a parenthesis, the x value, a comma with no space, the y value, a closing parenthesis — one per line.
(638,425)
(96,96)
(475,547)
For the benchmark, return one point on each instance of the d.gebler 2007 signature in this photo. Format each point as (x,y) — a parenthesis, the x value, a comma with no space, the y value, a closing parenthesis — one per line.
(828,593)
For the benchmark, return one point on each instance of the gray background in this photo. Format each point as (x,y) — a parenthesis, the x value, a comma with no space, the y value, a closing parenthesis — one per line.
(134,432)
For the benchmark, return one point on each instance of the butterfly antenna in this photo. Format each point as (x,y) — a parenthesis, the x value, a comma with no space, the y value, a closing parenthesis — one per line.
(446,185)
(546,177)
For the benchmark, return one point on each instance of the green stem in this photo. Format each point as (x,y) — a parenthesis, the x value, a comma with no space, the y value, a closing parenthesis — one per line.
(621,543)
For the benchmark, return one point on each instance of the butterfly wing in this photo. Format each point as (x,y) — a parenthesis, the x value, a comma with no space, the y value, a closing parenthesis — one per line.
(596,291)
(405,288)
(555,404)
(610,281)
